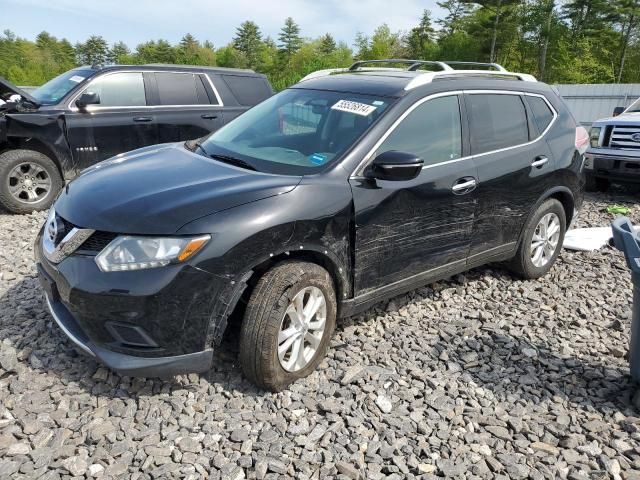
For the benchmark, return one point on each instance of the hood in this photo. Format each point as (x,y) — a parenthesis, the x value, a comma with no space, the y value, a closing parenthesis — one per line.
(158,189)
(631,118)
(7,89)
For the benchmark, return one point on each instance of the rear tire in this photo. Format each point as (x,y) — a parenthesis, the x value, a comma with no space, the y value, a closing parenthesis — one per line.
(596,184)
(541,240)
(269,323)
(29,181)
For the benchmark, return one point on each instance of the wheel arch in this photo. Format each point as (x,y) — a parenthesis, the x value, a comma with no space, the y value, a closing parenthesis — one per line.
(232,302)
(564,195)
(33,144)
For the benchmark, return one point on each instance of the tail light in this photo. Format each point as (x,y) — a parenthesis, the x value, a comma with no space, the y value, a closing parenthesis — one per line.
(582,139)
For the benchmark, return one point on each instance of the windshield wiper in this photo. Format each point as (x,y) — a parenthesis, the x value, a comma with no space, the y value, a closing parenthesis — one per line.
(238,162)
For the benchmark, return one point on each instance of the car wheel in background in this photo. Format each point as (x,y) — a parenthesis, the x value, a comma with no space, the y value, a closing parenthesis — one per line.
(541,241)
(29,181)
(288,324)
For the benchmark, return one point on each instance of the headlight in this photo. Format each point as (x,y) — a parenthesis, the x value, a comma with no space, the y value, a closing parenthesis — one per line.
(594,136)
(137,253)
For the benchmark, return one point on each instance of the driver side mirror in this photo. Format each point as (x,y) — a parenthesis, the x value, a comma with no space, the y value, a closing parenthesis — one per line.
(617,111)
(395,166)
(87,98)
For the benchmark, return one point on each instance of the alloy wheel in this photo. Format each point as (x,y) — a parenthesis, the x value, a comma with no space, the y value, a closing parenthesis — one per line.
(29,182)
(544,242)
(302,329)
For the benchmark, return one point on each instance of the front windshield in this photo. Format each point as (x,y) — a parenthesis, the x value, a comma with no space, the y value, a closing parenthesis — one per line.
(634,107)
(54,90)
(298,131)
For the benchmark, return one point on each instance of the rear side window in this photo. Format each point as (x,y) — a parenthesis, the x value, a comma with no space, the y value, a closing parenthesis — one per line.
(248,91)
(497,121)
(181,89)
(125,89)
(432,131)
(542,114)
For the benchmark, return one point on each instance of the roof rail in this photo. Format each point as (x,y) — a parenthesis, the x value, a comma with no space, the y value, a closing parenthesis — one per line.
(429,77)
(446,70)
(413,64)
(498,67)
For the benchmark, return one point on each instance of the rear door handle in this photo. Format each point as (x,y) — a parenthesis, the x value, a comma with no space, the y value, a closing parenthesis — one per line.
(141,119)
(464,185)
(539,161)
(209,116)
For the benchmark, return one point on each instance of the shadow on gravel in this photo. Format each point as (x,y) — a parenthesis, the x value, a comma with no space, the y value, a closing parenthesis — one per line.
(486,356)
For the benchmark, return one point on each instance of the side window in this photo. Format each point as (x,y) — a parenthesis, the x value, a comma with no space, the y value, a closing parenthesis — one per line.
(248,90)
(497,121)
(180,89)
(125,89)
(432,131)
(541,112)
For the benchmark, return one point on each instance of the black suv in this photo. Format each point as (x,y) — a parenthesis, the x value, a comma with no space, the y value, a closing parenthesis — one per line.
(92,113)
(332,195)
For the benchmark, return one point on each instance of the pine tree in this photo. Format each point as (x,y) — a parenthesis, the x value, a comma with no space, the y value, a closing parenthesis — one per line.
(421,37)
(453,20)
(289,37)
(248,41)
(327,44)
(119,53)
(95,51)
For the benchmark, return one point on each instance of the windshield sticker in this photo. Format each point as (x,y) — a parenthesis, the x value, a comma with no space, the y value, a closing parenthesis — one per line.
(76,78)
(354,107)
(377,103)
(317,158)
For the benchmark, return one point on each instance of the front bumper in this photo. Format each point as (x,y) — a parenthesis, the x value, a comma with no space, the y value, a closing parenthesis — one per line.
(614,167)
(143,323)
(128,364)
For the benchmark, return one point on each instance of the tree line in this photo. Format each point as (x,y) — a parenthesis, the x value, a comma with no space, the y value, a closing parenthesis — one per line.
(575,41)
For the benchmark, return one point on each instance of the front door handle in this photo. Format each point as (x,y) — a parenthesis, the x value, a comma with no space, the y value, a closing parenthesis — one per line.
(209,116)
(141,119)
(464,185)
(539,161)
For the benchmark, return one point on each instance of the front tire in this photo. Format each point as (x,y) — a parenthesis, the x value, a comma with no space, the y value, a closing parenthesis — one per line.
(541,241)
(29,181)
(288,324)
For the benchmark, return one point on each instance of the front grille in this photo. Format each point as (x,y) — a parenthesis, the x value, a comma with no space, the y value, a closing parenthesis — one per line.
(96,242)
(621,137)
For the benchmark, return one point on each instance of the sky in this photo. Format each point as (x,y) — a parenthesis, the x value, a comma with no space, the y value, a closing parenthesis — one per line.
(135,21)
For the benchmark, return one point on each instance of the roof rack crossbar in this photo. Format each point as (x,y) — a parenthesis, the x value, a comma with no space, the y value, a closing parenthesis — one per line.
(413,64)
(497,66)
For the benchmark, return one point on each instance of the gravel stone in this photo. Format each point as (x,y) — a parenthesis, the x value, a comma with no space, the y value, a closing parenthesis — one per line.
(479,376)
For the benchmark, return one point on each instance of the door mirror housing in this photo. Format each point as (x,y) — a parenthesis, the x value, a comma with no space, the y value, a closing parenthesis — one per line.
(87,98)
(617,111)
(396,166)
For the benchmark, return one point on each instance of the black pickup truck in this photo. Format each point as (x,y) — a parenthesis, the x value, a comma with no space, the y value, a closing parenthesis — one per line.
(88,114)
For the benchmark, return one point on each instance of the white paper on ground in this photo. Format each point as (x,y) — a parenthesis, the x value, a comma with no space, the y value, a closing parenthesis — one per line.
(588,239)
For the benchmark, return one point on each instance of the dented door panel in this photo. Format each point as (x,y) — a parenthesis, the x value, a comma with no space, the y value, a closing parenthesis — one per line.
(408,228)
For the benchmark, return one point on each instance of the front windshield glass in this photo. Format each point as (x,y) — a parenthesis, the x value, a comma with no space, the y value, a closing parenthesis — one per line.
(54,90)
(298,131)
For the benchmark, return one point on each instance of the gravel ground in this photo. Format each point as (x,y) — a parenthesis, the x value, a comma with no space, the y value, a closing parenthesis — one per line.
(481,376)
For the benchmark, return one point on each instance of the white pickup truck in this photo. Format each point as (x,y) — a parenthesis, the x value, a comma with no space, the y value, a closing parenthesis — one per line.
(614,151)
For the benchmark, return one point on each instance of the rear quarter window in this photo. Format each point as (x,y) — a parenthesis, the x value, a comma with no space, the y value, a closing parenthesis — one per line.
(248,91)
(542,114)
(497,121)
